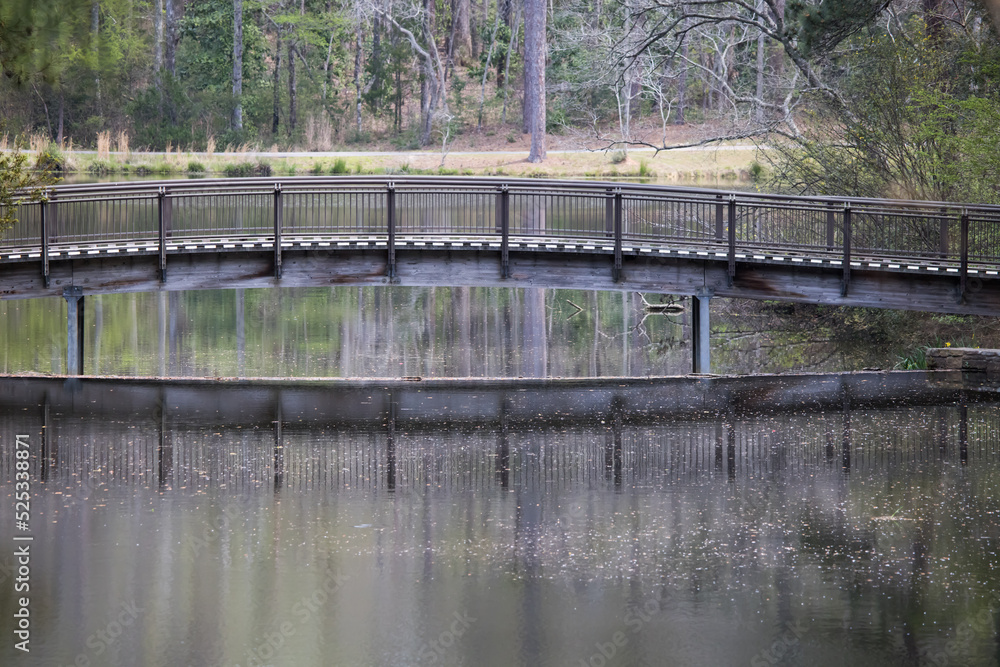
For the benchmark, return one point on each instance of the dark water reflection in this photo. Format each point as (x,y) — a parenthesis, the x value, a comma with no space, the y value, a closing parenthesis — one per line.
(795,521)
(401,332)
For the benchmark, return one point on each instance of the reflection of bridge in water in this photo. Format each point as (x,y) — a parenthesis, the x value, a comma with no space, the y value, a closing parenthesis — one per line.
(178,235)
(186,437)
(847,505)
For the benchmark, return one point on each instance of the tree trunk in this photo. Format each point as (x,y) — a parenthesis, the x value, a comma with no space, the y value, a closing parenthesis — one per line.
(95,45)
(462,46)
(171,38)
(682,79)
(158,37)
(293,86)
(534,78)
(237,65)
(276,108)
(357,74)
(759,93)
(62,110)
(505,79)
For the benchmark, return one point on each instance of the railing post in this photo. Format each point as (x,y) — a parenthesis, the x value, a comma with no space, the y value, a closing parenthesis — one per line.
(45,240)
(616,273)
(847,249)
(963,272)
(503,213)
(277,230)
(161,195)
(390,199)
(831,225)
(731,272)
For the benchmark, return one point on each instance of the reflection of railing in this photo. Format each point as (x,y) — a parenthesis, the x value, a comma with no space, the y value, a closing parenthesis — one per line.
(952,235)
(300,437)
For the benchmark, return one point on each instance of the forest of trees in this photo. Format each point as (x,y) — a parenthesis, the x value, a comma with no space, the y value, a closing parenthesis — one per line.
(867,97)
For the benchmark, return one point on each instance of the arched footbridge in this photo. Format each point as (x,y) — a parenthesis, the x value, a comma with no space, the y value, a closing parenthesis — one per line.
(409,230)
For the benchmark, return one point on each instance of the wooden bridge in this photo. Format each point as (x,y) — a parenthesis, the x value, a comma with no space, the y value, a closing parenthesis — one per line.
(407,230)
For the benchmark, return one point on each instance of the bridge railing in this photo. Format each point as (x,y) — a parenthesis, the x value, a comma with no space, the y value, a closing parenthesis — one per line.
(619,213)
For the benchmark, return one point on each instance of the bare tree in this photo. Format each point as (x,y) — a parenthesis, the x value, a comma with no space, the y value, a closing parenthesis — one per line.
(433,103)
(722,28)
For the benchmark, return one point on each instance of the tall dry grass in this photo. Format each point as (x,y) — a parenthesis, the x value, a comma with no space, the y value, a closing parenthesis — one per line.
(38,142)
(122,145)
(103,145)
(210,145)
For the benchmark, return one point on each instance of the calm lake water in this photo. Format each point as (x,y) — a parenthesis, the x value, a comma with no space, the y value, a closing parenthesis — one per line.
(799,520)
(409,331)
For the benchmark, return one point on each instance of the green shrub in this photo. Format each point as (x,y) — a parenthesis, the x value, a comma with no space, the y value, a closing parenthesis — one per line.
(316,169)
(195,167)
(915,360)
(619,156)
(340,166)
(247,170)
(50,159)
(101,167)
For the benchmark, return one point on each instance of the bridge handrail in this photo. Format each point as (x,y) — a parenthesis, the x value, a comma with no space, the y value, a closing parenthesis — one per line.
(627,213)
(193,186)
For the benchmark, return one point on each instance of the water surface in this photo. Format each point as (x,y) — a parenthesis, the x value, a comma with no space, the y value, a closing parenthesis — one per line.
(797,521)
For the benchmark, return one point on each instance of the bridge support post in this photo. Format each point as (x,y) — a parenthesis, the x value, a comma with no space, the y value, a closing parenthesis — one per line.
(74,330)
(964,259)
(731,255)
(503,215)
(277,230)
(45,241)
(616,272)
(162,221)
(700,331)
(846,281)
(390,203)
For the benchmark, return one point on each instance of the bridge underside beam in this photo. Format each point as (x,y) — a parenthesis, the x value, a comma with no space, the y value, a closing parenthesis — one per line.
(803,284)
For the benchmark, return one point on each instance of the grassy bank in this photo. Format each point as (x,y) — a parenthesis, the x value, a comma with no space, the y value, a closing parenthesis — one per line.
(713,166)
